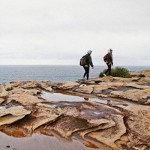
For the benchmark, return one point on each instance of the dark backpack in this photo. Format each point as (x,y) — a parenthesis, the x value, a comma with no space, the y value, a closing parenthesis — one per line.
(84,61)
(105,57)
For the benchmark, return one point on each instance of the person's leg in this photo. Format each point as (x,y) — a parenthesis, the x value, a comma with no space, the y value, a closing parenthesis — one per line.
(84,72)
(109,69)
(88,69)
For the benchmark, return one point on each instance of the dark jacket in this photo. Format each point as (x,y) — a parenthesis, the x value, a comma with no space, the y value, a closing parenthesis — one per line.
(89,60)
(109,59)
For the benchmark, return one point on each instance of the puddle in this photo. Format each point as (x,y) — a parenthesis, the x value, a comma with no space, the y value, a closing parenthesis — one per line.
(56,97)
(38,142)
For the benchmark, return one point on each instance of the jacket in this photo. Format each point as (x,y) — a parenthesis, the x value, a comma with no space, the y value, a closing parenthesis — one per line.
(89,60)
(109,59)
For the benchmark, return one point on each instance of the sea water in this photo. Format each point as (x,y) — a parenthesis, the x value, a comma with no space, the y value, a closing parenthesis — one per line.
(52,72)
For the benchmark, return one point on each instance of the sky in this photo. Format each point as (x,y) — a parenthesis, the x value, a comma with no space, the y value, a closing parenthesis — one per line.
(59,32)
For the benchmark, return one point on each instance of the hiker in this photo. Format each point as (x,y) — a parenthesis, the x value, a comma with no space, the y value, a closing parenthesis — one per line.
(108,58)
(86,62)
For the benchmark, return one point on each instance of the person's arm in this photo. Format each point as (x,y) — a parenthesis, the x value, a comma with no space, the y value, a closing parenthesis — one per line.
(90,61)
(111,59)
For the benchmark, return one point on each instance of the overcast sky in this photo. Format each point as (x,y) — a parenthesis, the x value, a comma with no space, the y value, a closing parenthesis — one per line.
(61,31)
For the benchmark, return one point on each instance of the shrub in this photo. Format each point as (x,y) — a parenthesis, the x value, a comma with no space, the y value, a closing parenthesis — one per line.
(118,72)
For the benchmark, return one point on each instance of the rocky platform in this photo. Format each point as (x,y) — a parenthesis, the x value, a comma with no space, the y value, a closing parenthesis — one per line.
(122,122)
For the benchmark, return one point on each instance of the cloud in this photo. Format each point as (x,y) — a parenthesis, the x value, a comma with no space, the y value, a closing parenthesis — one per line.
(64,30)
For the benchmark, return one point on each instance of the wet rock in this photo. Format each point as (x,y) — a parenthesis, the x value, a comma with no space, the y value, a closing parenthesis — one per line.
(117,124)
(109,136)
(26,126)
(66,126)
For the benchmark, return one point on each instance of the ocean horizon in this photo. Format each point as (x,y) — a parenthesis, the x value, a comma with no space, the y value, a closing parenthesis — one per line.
(56,73)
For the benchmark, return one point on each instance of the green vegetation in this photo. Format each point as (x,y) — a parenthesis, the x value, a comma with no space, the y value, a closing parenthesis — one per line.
(118,72)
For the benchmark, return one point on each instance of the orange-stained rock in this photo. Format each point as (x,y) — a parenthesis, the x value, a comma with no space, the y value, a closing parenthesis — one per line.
(109,136)
(122,122)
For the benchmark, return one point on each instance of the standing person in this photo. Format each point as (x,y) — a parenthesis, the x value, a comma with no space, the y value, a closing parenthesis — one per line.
(86,62)
(108,58)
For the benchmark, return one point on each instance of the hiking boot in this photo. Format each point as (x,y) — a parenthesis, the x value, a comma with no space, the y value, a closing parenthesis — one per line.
(104,74)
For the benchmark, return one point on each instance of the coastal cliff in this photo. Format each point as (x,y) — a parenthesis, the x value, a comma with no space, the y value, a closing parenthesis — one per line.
(114,112)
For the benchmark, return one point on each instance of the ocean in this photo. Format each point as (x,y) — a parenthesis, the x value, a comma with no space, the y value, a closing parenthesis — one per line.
(52,72)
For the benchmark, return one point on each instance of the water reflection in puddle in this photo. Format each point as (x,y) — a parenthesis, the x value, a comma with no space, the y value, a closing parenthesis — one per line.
(70,98)
(38,142)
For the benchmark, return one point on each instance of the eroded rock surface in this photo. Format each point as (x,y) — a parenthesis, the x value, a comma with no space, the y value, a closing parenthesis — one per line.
(121,123)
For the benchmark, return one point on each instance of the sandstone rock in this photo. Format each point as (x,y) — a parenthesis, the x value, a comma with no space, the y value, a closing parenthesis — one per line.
(137,74)
(14,110)
(101,125)
(133,95)
(68,85)
(43,85)
(85,89)
(4,94)
(109,136)
(66,126)
(137,86)
(49,89)
(25,99)
(99,88)
(30,84)
(16,83)
(33,91)
(8,87)
(146,73)
(69,111)
(1,100)
(8,119)
(145,80)
(102,95)
(126,80)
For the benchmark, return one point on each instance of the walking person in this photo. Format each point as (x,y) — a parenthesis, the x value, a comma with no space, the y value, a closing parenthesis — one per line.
(108,58)
(86,62)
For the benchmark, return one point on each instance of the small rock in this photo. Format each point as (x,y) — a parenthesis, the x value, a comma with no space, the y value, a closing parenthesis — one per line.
(8,146)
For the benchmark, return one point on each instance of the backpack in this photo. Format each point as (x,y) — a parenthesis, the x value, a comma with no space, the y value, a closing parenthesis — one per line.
(83,61)
(105,57)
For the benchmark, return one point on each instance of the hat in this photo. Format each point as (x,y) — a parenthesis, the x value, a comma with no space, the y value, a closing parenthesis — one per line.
(89,51)
(110,50)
